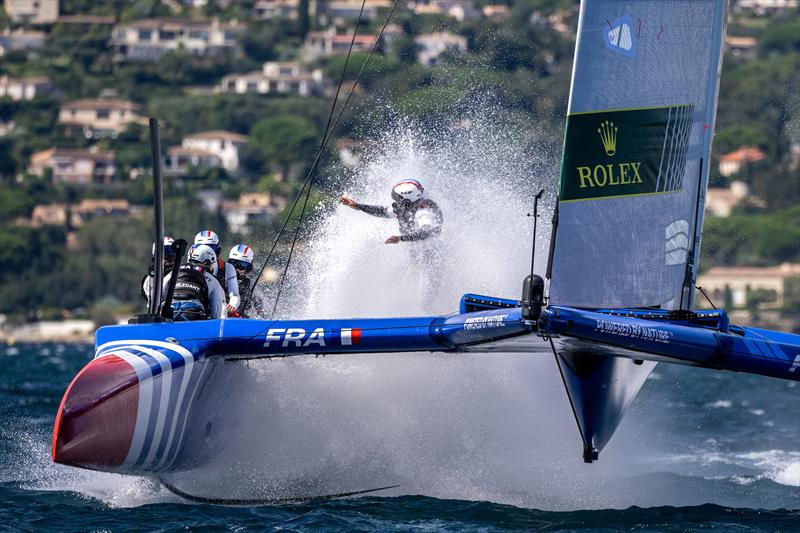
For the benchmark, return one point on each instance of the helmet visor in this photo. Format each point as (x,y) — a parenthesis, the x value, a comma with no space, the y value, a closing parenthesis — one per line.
(238,264)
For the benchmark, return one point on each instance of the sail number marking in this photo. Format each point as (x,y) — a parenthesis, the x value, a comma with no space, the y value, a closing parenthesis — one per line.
(302,338)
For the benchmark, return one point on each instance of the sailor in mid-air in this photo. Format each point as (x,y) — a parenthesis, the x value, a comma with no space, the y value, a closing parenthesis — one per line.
(225,273)
(420,220)
(198,295)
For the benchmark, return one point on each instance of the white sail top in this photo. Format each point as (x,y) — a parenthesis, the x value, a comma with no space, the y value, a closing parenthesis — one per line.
(636,151)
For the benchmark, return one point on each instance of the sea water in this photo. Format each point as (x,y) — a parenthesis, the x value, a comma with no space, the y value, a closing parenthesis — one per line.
(475,442)
(698,449)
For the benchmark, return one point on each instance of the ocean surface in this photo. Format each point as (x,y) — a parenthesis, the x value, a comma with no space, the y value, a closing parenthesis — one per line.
(722,453)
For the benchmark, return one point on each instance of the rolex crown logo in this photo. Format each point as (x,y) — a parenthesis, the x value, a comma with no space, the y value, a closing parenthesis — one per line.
(608,134)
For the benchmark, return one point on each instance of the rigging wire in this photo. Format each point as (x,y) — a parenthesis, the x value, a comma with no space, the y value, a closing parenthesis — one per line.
(311,176)
(311,171)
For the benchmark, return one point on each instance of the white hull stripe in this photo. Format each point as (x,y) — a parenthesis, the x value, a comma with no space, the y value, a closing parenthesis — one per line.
(162,402)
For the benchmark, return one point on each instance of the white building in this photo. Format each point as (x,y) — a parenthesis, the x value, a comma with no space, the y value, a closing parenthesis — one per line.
(330,42)
(32,11)
(281,9)
(433,45)
(276,78)
(764,7)
(76,167)
(148,40)
(99,117)
(460,10)
(24,88)
(251,208)
(20,40)
(345,11)
(180,159)
(224,145)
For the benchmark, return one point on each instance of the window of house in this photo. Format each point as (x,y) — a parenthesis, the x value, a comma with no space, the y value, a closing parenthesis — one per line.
(103,114)
(252,86)
(273,86)
(294,86)
(145,35)
(286,71)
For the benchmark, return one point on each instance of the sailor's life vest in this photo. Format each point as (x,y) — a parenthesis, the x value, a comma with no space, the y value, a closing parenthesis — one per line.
(190,299)
(221,278)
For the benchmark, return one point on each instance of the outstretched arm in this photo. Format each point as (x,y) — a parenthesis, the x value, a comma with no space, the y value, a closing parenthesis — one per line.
(374,210)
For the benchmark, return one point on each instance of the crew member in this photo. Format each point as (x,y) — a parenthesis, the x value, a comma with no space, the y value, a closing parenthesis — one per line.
(225,273)
(169,263)
(419,218)
(420,221)
(241,257)
(198,295)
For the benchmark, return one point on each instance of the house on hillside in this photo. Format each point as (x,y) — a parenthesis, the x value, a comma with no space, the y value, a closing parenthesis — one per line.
(251,208)
(179,159)
(765,7)
(459,10)
(733,162)
(342,12)
(496,12)
(32,11)
(11,41)
(330,42)
(741,47)
(225,145)
(80,213)
(24,88)
(276,78)
(720,201)
(740,282)
(74,166)
(99,117)
(149,40)
(433,45)
(278,9)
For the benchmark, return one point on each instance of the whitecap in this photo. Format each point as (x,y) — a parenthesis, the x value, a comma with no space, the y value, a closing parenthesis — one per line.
(719,404)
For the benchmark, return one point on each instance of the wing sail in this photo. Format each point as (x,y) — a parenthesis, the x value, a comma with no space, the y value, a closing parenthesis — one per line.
(636,153)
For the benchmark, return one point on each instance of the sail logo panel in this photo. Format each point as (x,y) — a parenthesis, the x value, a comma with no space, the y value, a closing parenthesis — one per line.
(627,152)
(619,37)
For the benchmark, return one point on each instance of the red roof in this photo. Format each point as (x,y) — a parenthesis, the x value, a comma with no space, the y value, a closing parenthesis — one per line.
(747,154)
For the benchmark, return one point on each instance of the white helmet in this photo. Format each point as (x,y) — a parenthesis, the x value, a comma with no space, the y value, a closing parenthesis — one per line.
(241,252)
(204,256)
(407,190)
(209,238)
(169,251)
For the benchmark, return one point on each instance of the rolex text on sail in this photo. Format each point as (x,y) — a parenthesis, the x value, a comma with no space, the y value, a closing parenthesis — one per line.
(625,152)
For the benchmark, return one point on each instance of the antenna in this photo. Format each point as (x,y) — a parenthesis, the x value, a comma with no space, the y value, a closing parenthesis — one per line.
(533,285)
(535,220)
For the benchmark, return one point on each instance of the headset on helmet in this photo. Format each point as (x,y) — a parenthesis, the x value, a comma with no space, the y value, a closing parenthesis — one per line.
(208,238)
(407,190)
(204,256)
(241,256)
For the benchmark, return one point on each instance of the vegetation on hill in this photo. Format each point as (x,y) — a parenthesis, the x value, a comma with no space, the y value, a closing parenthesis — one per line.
(521,63)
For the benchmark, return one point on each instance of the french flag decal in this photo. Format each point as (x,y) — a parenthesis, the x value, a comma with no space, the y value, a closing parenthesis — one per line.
(351,336)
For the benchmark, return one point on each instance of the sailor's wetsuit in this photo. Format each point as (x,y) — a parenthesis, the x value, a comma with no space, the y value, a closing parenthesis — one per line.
(420,224)
(418,221)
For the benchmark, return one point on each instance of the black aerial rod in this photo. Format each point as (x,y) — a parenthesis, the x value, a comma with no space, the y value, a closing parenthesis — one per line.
(158,219)
(535,219)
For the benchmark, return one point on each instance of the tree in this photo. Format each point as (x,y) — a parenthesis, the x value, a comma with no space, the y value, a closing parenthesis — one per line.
(303,19)
(284,140)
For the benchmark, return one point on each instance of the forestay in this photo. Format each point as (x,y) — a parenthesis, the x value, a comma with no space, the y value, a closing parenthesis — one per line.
(636,152)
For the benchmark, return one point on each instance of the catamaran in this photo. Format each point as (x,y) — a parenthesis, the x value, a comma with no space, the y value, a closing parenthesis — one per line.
(616,299)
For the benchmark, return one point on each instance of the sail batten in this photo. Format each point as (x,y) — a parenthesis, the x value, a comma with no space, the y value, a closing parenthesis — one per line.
(638,136)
